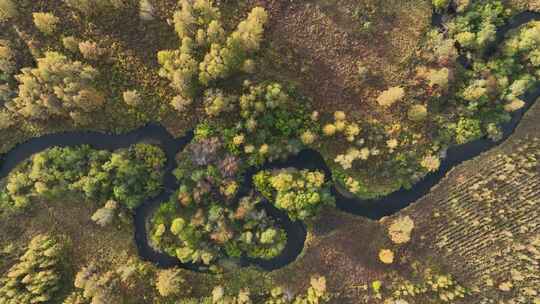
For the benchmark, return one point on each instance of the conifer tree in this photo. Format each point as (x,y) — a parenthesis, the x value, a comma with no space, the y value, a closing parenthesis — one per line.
(56,87)
(36,277)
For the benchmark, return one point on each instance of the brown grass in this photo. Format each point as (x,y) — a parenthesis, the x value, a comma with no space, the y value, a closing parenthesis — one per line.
(110,245)
(344,248)
(318,44)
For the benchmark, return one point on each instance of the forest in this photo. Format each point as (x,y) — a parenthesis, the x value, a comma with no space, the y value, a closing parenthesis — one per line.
(269,151)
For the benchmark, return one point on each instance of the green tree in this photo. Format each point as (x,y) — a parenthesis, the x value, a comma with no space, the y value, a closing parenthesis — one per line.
(8,10)
(36,277)
(467,130)
(222,61)
(127,176)
(476,27)
(440,5)
(56,87)
(417,113)
(206,53)
(76,298)
(71,43)
(46,22)
(302,194)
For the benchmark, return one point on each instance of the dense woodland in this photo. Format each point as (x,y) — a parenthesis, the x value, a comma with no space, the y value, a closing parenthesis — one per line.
(235,74)
(127,176)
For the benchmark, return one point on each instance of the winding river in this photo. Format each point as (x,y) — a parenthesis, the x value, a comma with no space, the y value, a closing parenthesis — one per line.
(309,159)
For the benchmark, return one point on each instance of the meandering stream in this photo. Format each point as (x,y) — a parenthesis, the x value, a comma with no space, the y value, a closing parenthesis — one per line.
(296,231)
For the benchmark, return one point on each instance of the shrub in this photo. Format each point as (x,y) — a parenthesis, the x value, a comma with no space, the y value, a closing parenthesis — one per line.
(386,256)
(400,230)
(75,298)
(494,132)
(93,7)
(219,296)
(98,288)
(57,87)
(90,50)
(215,102)
(308,137)
(339,116)
(132,98)
(362,72)
(146,10)
(105,216)
(392,143)
(329,130)
(37,275)
(468,129)
(6,120)
(316,293)
(180,103)
(8,10)
(391,96)
(417,113)
(70,43)
(170,282)
(430,163)
(514,105)
(376,286)
(351,131)
(440,49)
(7,58)
(439,78)
(433,287)
(45,22)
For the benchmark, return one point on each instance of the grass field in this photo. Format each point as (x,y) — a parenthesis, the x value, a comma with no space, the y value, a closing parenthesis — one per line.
(476,235)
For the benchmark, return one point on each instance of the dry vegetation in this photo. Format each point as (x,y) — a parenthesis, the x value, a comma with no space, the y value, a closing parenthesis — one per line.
(321,43)
(72,219)
(480,224)
(474,239)
(483,220)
